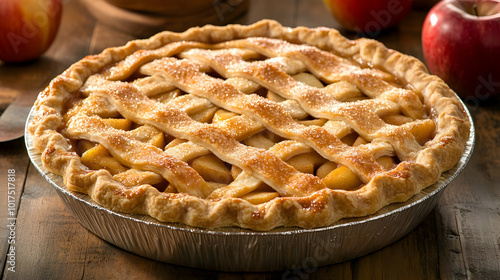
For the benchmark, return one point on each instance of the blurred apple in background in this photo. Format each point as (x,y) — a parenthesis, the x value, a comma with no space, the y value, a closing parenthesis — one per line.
(368,17)
(27,28)
(461,44)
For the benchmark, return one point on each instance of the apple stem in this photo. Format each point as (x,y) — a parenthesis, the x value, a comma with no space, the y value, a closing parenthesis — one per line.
(474,7)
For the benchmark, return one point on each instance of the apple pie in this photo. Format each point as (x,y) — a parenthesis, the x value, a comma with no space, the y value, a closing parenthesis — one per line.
(255,126)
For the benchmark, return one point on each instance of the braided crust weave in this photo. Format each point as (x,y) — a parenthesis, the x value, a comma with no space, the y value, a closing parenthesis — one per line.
(251,72)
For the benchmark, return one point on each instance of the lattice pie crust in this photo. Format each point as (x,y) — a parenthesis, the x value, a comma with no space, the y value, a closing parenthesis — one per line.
(254,126)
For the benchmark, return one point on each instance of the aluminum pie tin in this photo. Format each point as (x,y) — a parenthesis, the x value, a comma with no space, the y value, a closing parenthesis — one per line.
(240,250)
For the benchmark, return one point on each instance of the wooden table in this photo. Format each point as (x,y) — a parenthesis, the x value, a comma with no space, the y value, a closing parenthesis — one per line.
(460,239)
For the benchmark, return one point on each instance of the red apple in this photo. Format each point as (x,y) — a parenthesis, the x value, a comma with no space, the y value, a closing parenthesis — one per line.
(461,44)
(369,17)
(27,28)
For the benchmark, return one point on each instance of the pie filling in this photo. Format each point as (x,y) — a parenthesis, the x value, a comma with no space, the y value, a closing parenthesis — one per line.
(250,131)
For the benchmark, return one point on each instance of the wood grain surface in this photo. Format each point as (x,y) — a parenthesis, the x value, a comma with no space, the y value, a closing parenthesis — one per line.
(460,239)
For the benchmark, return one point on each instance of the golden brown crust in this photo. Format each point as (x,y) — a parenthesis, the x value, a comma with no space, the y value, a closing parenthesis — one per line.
(304,199)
